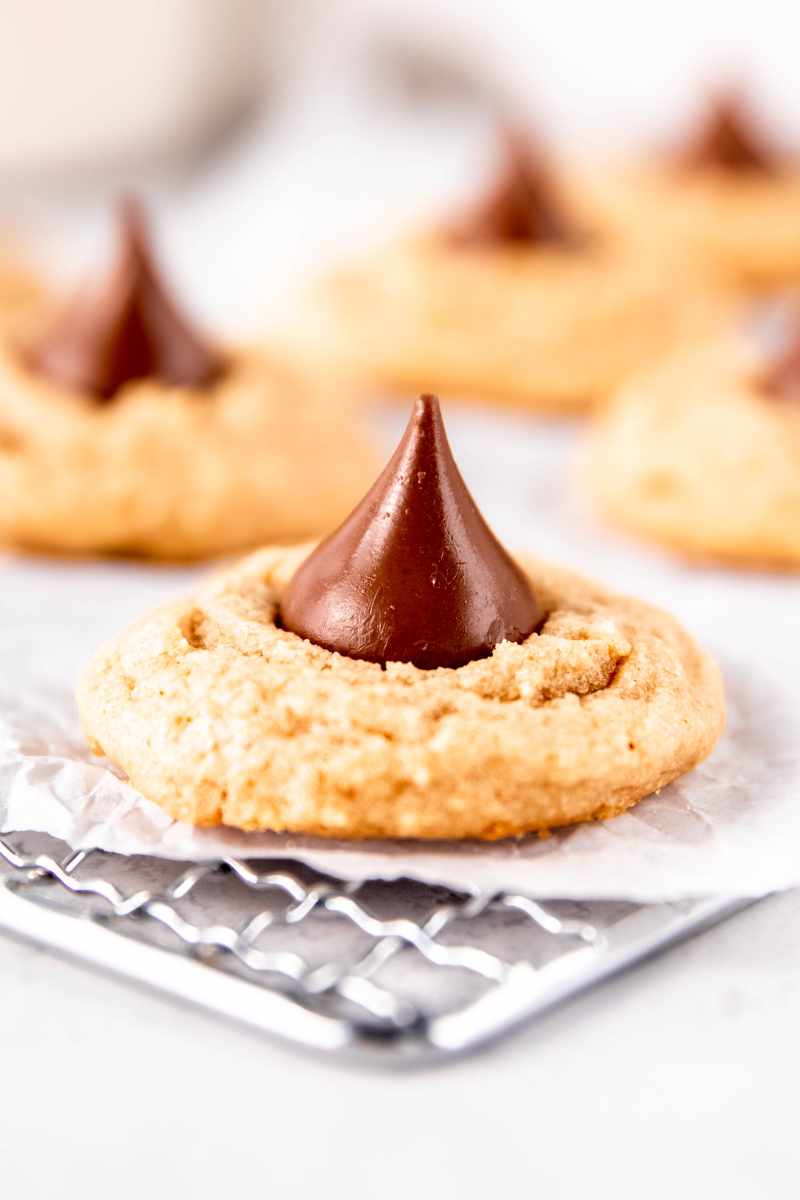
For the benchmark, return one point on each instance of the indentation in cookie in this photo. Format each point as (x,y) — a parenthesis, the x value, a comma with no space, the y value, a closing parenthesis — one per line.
(551,668)
(577,653)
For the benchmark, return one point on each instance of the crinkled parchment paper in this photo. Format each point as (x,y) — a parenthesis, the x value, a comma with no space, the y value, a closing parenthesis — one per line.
(731,826)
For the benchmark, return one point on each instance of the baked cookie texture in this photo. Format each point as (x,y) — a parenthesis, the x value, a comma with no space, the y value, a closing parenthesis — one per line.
(694,455)
(540,328)
(220,716)
(173,472)
(742,226)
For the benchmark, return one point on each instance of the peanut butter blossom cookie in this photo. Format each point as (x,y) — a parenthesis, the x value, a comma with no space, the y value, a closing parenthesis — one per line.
(124,430)
(702,455)
(527,299)
(405,678)
(728,196)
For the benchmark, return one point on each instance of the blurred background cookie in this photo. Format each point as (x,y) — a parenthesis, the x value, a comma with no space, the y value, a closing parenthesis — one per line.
(526,297)
(702,454)
(729,193)
(124,430)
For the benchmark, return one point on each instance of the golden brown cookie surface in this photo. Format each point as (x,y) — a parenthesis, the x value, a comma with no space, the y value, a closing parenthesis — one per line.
(743,226)
(175,472)
(219,715)
(546,328)
(695,455)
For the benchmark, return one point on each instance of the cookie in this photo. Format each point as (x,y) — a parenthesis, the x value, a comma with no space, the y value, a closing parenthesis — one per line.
(728,199)
(745,230)
(531,302)
(123,430)
(701,456)
(220,716)
(173,472)
(272,698)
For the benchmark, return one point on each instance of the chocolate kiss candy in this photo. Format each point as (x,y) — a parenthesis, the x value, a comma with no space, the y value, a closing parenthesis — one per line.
(521,207)
(125,326)
(728,140)
(414,574)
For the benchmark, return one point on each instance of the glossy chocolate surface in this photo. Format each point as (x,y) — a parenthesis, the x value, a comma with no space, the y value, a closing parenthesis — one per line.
(124,326)
(414,574)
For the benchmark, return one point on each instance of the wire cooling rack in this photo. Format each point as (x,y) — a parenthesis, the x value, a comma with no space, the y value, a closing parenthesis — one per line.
(393,971)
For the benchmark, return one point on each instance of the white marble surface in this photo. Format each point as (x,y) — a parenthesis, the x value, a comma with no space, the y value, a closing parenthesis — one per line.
(677,1078)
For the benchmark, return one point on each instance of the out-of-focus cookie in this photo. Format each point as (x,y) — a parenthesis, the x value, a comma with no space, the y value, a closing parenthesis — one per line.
(405,679)
(728,197)
(702,454)
(531,299)
(122,430)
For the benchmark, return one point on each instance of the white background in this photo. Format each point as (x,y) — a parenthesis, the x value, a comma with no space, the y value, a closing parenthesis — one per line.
(679,1078)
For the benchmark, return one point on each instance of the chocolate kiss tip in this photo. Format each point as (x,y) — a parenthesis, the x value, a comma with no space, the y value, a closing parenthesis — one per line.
(414,574)
(522,206)
(124,326)
(728,139)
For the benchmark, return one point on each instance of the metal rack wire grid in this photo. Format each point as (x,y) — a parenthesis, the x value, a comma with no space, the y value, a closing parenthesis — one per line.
(394,971)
